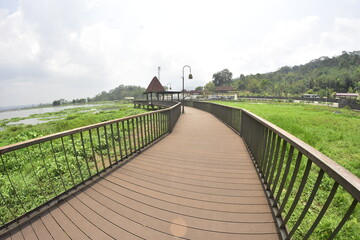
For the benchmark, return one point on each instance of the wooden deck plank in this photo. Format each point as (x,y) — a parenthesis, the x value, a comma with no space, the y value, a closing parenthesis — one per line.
(197,183)
(53,227)
(40,229)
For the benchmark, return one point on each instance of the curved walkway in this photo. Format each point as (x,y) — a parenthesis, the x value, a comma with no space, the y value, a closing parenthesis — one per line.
(197,183)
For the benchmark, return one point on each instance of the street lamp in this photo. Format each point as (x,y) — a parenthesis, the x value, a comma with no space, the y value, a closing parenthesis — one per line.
(183,90)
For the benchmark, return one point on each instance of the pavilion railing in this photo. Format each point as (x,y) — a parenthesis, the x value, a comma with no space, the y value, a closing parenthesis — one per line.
(304,187)
(43,170)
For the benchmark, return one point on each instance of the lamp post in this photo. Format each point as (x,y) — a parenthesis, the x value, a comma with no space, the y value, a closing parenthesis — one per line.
(183,90)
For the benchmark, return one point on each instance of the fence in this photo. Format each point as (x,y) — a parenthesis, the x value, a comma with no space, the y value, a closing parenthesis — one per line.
(303,185)
(41,171)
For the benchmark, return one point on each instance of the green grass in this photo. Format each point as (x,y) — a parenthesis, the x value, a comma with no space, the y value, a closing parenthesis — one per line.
(63,120)
(32,175)
(333,131)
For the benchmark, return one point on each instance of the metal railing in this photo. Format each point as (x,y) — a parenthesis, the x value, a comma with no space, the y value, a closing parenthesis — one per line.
(303,185)
(40,171)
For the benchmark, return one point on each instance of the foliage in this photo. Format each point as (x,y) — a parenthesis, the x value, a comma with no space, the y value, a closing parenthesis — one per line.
(323,76)
(222,78)
(32,175)
(119,93)
(64,120)
(328,130)
(209,87)
(199,88)
(332,133)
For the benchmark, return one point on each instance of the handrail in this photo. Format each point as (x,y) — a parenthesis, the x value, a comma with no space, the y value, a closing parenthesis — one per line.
(34,141)
(36,172)
(344,177)
(294,174)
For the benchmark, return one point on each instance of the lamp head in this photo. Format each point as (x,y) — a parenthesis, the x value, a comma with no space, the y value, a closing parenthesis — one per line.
(190,76)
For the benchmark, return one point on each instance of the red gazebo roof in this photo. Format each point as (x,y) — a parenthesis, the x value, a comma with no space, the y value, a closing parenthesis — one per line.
(155,86)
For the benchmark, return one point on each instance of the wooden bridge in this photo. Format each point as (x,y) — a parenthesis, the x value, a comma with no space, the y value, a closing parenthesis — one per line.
(202,181)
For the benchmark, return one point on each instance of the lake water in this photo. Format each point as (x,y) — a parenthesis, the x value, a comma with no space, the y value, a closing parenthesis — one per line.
(27,112)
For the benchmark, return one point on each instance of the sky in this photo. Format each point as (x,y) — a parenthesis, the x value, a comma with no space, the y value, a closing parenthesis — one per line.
(51,49)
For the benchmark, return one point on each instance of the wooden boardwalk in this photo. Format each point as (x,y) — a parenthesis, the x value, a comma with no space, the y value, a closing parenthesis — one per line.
(197,183)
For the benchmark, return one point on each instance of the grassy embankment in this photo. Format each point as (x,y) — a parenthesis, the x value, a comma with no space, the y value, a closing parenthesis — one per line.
(336,133)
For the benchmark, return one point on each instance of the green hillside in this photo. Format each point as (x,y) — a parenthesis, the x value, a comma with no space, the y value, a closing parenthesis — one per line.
(323,76)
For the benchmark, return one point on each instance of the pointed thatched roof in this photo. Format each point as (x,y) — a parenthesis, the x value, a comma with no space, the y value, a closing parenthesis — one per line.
(155,86)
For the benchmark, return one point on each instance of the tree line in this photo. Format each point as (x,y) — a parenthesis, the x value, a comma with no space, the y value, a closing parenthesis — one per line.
(118,93)
(323,76)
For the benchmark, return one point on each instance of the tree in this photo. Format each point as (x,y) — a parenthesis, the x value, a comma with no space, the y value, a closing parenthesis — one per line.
(222,78)
(56,102)
(209,87)
(199,88)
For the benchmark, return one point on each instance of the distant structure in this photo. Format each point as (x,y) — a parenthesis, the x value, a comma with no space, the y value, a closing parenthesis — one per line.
(223,89)
(310,96)
(155,87)
(156,92)
(346,95)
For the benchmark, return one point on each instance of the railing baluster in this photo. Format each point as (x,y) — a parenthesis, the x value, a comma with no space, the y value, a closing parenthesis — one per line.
(129,136)
(275,162)
(107,145)
(270,159)
(152,122)
(133,134)
(124,139)
(67,162)
(146,129)
(100,147)
(137,132)
(76,157)
(322,211)
(7,205)
(309,202)
(291,184)
(84,152)
(119,140)
(11,184)
(142,130)
(57,164)
(113,142)
(22,175)
(264,146)
(93,151)
(267,153)
(36,176)
(298,193)
(157,125)
(46,170)
(285,174)
(279,169)
(345,218)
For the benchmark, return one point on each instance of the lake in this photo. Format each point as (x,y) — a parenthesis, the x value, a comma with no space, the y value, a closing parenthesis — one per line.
(22,113)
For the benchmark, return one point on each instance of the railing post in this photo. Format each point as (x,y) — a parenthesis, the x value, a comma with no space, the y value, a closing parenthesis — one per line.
(170,127)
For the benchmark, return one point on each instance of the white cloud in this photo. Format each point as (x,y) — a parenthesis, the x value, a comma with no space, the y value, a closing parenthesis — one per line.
(77,48)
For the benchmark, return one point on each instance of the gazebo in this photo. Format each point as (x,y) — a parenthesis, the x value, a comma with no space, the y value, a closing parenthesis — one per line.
(160,93)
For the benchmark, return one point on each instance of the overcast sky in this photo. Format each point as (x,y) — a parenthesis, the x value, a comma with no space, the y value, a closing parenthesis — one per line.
(52,49)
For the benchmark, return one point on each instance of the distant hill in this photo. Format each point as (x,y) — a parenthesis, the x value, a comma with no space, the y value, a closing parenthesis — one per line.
(119,93)
(323,76)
